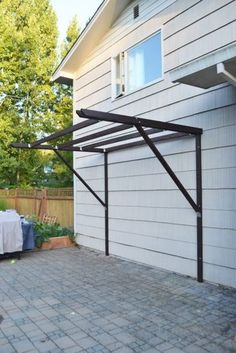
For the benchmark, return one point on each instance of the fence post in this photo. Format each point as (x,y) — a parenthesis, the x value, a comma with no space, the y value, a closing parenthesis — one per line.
(16,199)
(43,203)
(46,200)
(35,202)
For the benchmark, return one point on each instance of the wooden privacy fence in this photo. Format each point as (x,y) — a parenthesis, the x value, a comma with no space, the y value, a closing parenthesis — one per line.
(54,202)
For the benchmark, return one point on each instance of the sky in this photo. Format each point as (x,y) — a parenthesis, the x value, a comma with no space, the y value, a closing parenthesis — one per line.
(66,9)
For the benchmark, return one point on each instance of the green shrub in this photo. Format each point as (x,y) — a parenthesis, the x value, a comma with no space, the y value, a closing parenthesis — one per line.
(45,231)
(3,205)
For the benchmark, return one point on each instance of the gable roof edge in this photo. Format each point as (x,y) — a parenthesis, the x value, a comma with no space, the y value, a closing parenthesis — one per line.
(101,21)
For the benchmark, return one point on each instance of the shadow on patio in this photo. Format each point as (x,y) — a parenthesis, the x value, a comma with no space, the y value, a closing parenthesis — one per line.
(76,300)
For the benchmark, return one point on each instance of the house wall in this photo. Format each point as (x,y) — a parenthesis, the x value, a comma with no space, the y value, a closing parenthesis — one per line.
(150,220)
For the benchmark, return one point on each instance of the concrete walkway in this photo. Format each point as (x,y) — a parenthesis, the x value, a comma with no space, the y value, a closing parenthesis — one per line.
(76,300)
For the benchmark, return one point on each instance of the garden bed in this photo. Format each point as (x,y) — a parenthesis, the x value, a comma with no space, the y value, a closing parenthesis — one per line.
(53,236)
(57,243)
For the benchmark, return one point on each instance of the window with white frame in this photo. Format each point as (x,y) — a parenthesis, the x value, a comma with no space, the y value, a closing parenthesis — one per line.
(137,66)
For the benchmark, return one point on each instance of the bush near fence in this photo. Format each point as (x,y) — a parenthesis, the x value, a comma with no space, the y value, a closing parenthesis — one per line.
(54,202)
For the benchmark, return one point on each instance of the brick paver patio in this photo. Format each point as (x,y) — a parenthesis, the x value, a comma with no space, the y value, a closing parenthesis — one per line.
(76,300)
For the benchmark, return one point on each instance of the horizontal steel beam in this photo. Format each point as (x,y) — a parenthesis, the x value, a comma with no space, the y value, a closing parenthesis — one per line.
(131,120)
(122,138)
(56,148)
(64,132)
(142,142)
(95,135)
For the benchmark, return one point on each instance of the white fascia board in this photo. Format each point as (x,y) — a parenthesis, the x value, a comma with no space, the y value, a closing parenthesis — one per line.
(97,26)
(203,62)
(81,37)
(100,23)
(225,74)
(60,75)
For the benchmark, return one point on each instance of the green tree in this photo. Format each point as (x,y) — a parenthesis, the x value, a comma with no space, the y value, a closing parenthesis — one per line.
(28,36)
(72,34)
(58,174)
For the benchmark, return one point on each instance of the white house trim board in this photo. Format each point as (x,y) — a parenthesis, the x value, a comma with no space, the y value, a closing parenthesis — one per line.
(225,74)
(63,78)
(202,72)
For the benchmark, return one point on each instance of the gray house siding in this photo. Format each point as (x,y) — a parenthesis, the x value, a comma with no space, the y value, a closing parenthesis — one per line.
(150,220)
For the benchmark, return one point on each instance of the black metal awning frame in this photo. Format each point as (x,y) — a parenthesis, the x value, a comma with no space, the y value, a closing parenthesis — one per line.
(145,128)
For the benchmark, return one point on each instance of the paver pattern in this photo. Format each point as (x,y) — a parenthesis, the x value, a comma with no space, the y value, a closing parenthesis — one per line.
(77,300)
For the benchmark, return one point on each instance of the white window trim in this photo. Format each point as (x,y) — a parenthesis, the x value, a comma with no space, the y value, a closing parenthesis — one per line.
(113,68)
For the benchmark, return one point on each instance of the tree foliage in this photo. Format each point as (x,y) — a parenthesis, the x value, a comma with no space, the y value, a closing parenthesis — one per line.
(30,105)
(28,37)
(63,110)
(72,34)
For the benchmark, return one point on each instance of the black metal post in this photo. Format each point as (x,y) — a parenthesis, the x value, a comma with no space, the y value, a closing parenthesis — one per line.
(106,204)
(199,212)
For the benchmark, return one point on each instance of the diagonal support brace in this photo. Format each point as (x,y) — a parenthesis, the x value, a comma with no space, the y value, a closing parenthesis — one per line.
(80,178)
(167,167)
